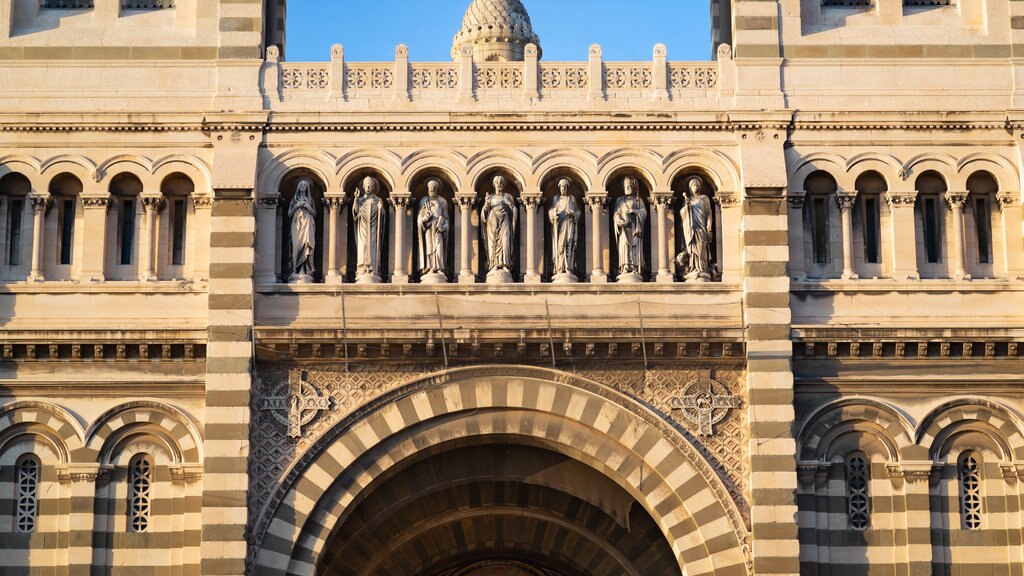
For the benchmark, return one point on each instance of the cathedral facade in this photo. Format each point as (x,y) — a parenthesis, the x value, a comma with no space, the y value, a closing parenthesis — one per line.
(502,316)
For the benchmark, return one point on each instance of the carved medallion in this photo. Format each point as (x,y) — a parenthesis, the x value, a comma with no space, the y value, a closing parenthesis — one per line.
(296,403)
(705,402)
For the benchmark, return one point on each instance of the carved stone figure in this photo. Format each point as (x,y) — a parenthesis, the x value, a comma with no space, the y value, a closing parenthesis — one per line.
(564,216)
(432,224)
(695,259)
(369,215)
(303,233)
(629,218)
(500,216)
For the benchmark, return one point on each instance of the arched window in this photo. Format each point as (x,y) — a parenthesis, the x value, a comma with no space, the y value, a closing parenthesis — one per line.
(871,187)
(969,473)
(177,190)
(931,218)
(820,188)
(16,224)
(124,221)
(27,510)
(140,493)
(978,213)
(858,500)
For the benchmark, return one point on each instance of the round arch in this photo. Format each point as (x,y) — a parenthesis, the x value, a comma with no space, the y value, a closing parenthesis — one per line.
(583,163)
(716,165)
(135,164)
(515,162)
(451,163)
(630,444)
(78,166)
(1001,170)
(878,418)
(49,421)
(887,166)
(831,164)
(169,424)
(981,415)
(275,171)
(23,165)
(386,163)
(190,166)
(646,162)
(942,164)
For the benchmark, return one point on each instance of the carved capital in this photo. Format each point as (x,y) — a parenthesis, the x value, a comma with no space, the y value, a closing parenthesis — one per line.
(400,202)
(662,199)
(846,201)
(465,202)
(596,201)
(531,201)
(93,202)
(39,203)
(269,202)
(796,201)
(334,202)
(152,203)
(1007,200)
(728,199)
(202,202)
(897,200)
(956,200)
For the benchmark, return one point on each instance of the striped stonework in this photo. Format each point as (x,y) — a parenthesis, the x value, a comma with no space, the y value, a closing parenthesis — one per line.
(756,29)
(770,383)
(241,29)
(229,359)
(579,418)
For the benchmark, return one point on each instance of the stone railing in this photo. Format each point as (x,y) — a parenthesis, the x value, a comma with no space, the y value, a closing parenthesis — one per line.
(466,80)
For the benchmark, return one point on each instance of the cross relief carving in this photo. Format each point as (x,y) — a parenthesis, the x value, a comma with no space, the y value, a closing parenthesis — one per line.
(705,402)
(296,403)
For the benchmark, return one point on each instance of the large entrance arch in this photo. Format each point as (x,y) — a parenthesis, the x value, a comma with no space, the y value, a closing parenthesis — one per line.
(499,469)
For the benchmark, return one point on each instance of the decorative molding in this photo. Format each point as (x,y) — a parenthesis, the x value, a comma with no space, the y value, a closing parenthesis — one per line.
(911,349)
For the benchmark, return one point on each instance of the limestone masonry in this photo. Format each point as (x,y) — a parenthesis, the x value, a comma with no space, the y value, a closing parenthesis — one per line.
(500,316)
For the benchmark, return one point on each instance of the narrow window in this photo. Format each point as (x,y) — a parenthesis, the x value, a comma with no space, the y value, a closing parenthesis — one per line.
(67,229)
(969,470)
(858,502)
(127,231)
(15,209)
(178,234)
(931,230)
(819,214)
(871,230)
(140,480)
(27,510)
(983,226)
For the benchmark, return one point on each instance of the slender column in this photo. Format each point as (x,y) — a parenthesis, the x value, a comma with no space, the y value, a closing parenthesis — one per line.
(597,272)
(334,205)
(532,203)
(39,206)
(662,201)
(1013,239)
(401,203)
(846,202)
(148,249)
(957,201)
(465,204)
(904,240)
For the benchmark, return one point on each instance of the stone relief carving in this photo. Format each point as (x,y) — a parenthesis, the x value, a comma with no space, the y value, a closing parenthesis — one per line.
(564,216)
(303,234)
(369,214)
(433,224)
(296,403)
(629,218)
(695,259)
(705,403)
(500,216)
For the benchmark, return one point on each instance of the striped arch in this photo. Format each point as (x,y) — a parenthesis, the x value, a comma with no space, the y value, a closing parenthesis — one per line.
(717,165)
(833,164)
(582,162)
(648,162)
(964,414)
(193,167)
(166,423)
(587,421)
(274,171)
(832,420)
(51,422)
(451,163)
(517,162)
(387,163)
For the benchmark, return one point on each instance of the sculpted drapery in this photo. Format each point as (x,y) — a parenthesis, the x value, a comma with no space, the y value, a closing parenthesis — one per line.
(433,224)
(564,216)
(303,233)
(629,218)
(369,214)
(500,215)
(695,259)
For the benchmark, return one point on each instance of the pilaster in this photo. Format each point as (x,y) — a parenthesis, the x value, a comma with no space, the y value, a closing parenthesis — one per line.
(94,209)
(904,240)
(1013,239)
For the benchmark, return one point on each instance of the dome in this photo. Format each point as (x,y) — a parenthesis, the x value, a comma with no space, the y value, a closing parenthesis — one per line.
(498,30)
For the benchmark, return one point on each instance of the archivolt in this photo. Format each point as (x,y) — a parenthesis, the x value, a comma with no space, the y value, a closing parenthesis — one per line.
(891,427)
(169,424)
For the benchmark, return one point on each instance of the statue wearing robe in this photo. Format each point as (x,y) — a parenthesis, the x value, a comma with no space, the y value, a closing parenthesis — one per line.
(695,215)
(433,224)
(564,216)
(369,214)
(303,233)
(629,218)
(500,215)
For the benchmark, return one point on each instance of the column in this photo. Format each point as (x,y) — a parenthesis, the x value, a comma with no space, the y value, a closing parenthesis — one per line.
(662,200)
(465,204)
(1013,239)
(532,204)
(266,240)
(846,202)
(334,205)
(147,247)
(95,209)
(597,273)
(957,201)
(904,238)
(39,206)
(400,274)
(732,245)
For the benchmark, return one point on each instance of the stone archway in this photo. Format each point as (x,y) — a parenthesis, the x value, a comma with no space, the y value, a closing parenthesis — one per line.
(574,422)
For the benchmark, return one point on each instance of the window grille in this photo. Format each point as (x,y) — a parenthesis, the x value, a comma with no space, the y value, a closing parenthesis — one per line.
(929,2)
(28,495)
(858,477)
(846,2)
(67,4)
(146,4)
(969,471)
(140,480)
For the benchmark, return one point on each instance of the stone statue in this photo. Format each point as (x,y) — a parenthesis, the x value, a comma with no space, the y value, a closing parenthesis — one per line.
(564,216)
(500,216)
(303,233)
(629,218)
(369,216)
(433,224)
(695,259)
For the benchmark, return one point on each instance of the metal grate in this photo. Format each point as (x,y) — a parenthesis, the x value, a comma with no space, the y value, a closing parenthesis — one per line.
(846,2)
(67,4)
(929,2)
(858,502)
(970,491)
(28,495)
(140,479)
(146,4)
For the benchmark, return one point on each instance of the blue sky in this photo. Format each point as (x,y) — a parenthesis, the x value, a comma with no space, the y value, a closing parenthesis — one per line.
(370,30)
